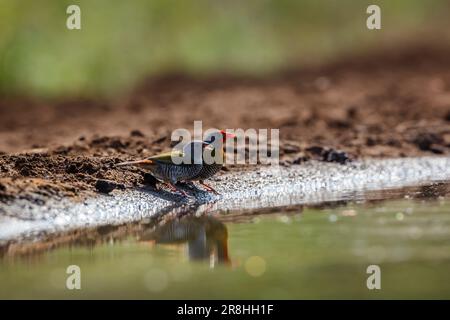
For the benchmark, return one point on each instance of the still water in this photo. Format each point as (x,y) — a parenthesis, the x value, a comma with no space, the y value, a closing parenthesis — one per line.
(287,253)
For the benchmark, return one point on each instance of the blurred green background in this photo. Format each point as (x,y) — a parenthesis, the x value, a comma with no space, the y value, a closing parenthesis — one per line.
(122,41)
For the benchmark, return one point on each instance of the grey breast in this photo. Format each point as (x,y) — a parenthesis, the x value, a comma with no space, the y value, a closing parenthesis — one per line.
(207,171)
(174,173)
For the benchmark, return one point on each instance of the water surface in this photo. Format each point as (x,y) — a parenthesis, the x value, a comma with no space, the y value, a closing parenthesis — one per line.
(286,253)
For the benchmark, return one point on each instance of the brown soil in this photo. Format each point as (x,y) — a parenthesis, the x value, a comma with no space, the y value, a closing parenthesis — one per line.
(391,104)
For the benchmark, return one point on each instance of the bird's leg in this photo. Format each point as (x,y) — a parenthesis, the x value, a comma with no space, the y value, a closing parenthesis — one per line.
(207,187)
(174,188)
(170,186)
(164,184)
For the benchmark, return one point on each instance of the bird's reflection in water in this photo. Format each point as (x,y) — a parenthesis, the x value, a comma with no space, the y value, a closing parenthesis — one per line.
(206,238)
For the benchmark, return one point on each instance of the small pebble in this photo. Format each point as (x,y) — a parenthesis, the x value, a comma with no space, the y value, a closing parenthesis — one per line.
(105,186)
(136,133)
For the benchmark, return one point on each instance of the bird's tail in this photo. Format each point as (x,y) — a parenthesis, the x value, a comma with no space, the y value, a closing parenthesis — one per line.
(134,163)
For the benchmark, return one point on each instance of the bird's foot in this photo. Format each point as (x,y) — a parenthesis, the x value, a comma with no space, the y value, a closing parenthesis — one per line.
(209,188)
(175,189)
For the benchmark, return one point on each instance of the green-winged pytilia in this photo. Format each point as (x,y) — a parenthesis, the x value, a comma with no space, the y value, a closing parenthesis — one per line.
(209,169)
(164,168)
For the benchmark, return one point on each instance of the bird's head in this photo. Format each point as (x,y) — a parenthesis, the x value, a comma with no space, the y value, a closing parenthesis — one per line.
(219,135)
(215,142)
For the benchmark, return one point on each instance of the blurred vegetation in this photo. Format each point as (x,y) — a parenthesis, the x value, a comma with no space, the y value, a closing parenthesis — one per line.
(122,41)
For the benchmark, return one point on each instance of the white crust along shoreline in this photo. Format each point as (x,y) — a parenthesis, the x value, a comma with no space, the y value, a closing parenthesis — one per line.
(310,183)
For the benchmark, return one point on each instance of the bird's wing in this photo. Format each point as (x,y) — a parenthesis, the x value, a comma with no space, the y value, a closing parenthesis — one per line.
(167,157)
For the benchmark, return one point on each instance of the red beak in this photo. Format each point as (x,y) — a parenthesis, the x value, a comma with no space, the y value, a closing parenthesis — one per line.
(227,135)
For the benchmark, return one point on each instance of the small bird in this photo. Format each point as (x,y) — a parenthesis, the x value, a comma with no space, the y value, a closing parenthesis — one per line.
(209,170)
(163,167)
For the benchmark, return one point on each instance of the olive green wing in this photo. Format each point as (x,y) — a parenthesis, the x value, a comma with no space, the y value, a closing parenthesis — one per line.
(167,157)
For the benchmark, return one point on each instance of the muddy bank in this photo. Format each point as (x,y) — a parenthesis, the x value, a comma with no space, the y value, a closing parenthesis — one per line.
(314,182)
(389,104)
(87,167)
